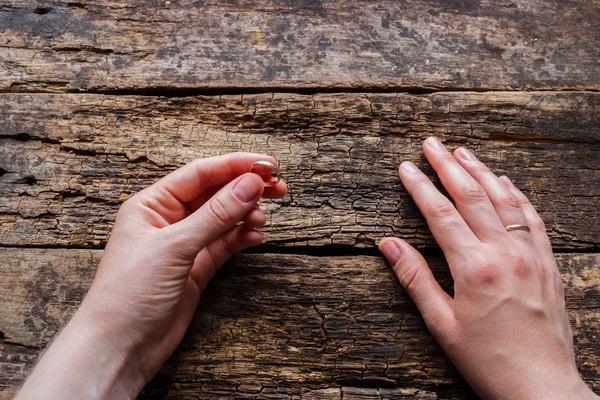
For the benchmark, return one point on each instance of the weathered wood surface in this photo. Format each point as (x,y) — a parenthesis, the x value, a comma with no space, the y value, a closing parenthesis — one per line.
(161,45)
(68,161)
(280,325)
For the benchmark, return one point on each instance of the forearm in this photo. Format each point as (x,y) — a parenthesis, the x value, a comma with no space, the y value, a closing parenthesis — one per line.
(82,363)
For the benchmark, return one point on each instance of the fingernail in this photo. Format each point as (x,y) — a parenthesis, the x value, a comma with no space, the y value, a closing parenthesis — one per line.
(247,188)
(465,154)
(507,181)
(434,143)
(391,251)
(409,167)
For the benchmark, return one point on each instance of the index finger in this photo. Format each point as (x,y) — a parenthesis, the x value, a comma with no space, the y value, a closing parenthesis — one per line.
(193,179)
(445,222)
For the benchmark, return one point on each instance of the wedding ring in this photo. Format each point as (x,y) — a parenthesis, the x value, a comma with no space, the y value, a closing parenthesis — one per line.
(517,227)
(272,167)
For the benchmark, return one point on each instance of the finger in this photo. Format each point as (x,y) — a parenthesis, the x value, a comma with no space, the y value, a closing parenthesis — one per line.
(274,192)
(534,222)
(213,256)
(255,218)
(471,199)
(416,278)
(505,203)
(189,182)
(447,226)
(218,215)
(541,241)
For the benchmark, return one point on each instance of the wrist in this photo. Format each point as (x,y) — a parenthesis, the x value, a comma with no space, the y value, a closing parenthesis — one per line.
(82,362)
(112,352)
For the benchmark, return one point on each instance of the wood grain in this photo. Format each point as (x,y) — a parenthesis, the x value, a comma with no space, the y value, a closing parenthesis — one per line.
(410,45)
(67,162)
(279,326)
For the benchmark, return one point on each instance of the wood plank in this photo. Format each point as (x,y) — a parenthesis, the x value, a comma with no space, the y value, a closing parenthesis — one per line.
(68,161)
(156,45)
(280,326)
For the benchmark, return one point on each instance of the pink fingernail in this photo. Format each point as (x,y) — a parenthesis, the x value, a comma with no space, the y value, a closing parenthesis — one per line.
(409,167)
(247,188)
(434,143)
(391,251)
(465,154)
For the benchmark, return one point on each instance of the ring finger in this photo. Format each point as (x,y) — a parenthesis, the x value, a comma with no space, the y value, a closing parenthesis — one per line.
(505,203)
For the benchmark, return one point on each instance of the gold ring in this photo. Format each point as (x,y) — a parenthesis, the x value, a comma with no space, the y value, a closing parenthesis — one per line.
(272,167)
(517,227)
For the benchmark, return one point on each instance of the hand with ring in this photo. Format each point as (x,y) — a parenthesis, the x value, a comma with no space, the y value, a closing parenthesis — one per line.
(167,243)
(506,328)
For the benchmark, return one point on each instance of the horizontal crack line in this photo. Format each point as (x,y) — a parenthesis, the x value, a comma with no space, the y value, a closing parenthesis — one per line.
(325,251)
(199,91)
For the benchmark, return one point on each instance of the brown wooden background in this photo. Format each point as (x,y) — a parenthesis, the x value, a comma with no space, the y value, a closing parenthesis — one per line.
(100,99)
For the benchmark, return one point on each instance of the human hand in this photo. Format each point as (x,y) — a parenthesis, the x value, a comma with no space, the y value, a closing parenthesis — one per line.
(506,329)
(167,243)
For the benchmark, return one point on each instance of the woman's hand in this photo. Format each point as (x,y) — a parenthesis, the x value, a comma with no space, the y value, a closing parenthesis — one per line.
(506,329)
(167,243)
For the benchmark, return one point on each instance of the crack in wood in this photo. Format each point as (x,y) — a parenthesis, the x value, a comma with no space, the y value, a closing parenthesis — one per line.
(293,323)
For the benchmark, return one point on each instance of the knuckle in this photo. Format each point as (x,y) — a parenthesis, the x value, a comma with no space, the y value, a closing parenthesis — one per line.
(472,192)
(520,264)
(522,198)
(441,207)
(510,201)
(484,272)
(450,227)
(487,274)
(422,183)
(537,223)
(220,211)
(482,170)
(539,310)
(409,277)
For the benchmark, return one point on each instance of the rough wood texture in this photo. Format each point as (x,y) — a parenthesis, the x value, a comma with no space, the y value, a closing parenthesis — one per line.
(290,326)
(279,326)
(162,45)
(68,161)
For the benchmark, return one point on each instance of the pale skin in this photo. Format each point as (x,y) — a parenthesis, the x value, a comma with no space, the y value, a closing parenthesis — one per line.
(506,329)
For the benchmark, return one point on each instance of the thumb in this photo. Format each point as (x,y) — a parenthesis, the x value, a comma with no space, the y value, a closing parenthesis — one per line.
(416,278)
(218,215)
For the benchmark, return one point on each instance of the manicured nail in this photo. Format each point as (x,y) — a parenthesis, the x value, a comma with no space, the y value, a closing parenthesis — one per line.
(391,251)
(507,181)
(465,154)
(247,188)
(434,143)
(409,167)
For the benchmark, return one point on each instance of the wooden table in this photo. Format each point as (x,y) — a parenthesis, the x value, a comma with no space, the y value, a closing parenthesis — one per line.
(99,100)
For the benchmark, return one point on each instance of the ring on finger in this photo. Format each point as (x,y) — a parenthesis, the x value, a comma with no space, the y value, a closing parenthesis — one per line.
(517,227)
